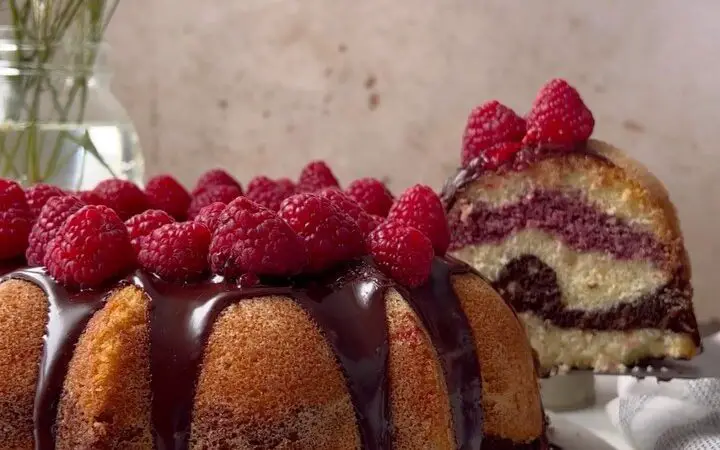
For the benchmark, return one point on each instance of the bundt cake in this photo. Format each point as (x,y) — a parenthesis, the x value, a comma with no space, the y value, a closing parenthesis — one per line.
(581,240)
(249,328)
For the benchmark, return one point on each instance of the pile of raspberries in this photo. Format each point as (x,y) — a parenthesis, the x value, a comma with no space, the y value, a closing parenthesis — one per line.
(495,136)
(275,228)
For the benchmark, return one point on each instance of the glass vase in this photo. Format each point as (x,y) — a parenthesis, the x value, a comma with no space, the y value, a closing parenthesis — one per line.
(59,121)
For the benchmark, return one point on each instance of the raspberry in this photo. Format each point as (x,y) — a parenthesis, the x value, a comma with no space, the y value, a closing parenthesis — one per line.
(210,214)
(419,207)
(402,252)
(253,239)
(365,221)
(269,193)
(371,195)
(91,247)
(216,177)
(15,220)
(287,184)
(164,192)
(39,194)
(176,251)
(489,124)
(89,197)
(212,194)
(55,212)
(499,154)
(315,176)
(559,117)
(146,222)
(330,235)
(123,196)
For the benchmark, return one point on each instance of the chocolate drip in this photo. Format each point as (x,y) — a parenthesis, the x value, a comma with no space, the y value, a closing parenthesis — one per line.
(181,318)
(531,285)
(349,308)
(351,313)
(68,315)
(439,309)
(7,267)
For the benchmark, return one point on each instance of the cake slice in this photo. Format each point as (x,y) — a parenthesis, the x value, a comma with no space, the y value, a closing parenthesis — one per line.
(579,238)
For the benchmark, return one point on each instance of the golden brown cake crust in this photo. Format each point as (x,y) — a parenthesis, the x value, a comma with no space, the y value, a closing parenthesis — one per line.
(270,380)
(106,400)
(23,317)
(418,395)
(655,194)
(511,399)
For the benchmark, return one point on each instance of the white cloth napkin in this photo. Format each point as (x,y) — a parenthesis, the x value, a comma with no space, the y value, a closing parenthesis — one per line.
(675,415)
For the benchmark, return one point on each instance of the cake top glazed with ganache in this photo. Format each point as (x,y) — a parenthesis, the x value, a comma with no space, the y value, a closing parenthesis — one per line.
(291,315)
(579,238)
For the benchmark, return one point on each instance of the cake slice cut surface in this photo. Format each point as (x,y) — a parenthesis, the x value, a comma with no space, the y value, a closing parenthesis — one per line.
(582,241)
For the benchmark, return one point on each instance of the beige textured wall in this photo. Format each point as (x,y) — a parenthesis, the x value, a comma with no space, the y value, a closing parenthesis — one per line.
(264,85)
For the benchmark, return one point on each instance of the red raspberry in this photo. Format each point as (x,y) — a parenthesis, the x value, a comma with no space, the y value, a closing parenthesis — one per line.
(315,176)
(55,212)
(372,195)
(559,117)
(269,193)
(15,220)
(146,222)
(212,194)
(91,247)
(89,197)
(164,192)
(330,235)
(499,154)
(365,221)
(176,251)
(123,196)
(210,215)
(419,207)
(39,194)
(253,239)
(216,177)
(403,253)
(489,124)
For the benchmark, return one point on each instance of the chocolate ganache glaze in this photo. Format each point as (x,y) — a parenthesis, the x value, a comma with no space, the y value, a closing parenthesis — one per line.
(349,307)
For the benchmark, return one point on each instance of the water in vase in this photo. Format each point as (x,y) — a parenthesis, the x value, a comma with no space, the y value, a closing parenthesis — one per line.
(69,155)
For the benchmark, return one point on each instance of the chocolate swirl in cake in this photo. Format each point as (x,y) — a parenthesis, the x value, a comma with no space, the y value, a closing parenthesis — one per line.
(530,285)
(348,305)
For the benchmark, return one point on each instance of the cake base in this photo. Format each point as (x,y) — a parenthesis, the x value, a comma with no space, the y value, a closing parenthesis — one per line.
(568,392)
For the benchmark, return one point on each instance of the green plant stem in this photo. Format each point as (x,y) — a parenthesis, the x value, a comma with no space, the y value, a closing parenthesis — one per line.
(37,37)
